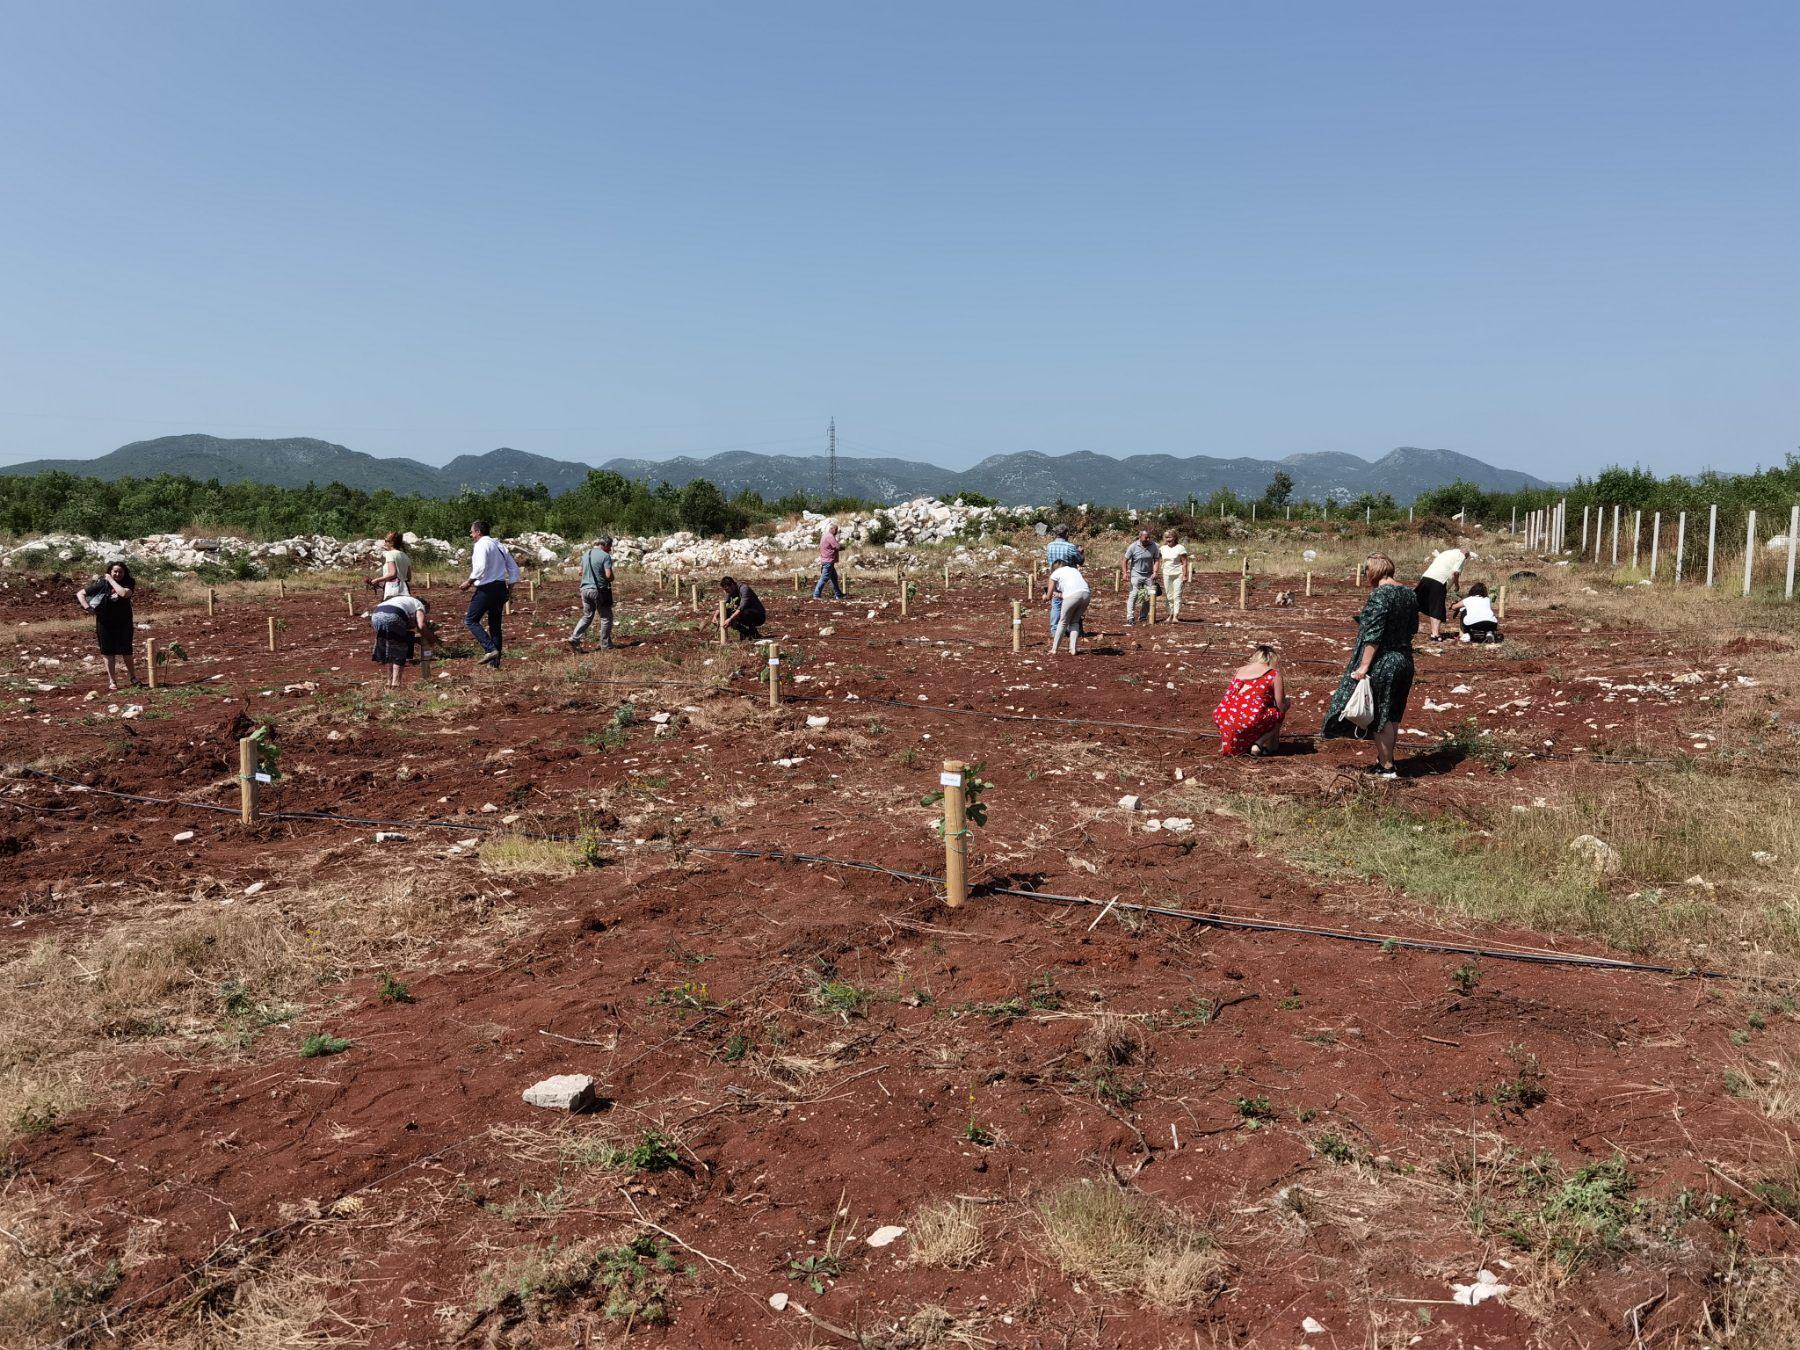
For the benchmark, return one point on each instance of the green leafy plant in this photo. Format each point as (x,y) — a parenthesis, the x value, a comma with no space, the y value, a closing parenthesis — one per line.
(1465,977)
(653,1152)
(974,808)
(322,1043)
(392,991)
(1335,1148)
(815,1270)
(1255,1111)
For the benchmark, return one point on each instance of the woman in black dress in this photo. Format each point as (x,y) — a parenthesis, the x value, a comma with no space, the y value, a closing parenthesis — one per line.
(108,599)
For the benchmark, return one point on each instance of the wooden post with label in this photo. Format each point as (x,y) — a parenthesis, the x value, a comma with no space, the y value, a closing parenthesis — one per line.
(248,764)
(900,575)
(1244,592)
(774,676)
(956,833)
(721,621)
(1018,625)
(209,602)
(150,661)
(271,632)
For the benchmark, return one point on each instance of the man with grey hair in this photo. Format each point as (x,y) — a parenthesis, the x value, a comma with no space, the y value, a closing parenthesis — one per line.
(596,594)
(1059,552)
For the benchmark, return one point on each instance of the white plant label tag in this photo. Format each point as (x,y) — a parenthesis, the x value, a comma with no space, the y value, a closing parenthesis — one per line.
(950,780)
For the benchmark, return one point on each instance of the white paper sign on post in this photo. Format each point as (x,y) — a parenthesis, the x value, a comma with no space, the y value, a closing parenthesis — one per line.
(950,780)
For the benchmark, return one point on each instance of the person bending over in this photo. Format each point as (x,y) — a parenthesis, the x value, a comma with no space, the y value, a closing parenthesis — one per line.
(1476,611)
(1444,572)
(398,621)
(744,612)
(1069,592)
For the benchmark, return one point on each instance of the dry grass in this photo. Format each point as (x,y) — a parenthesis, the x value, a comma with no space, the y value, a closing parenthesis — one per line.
(1125,1242)
(947,1233)
(213,979)
(1774,1084)
(515,855)
(1668,825)
(1757,1308)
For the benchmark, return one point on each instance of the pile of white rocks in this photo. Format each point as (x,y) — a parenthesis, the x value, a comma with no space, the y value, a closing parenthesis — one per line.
(922,521)
(309,551)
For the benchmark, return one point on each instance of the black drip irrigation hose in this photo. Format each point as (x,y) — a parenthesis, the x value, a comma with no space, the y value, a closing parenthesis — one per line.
(1244,923)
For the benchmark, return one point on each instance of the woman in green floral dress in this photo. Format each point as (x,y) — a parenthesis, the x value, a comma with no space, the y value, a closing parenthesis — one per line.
(1384,634)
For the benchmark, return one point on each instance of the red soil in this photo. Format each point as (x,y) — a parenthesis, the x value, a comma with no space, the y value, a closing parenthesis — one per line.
(1373,1048)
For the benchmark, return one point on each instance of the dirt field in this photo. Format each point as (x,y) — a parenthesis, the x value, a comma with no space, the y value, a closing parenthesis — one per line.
(262,1084)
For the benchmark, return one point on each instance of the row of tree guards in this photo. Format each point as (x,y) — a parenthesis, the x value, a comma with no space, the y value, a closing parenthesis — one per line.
(1606,539)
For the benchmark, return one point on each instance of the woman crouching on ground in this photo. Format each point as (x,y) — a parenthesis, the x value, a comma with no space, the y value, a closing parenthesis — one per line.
(1249,716)
(398,621)
(1384,657)
(108,599)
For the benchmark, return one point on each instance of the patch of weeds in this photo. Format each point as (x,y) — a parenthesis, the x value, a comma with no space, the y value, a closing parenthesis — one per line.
(653,1152)
(978,1135)
(322,1043)
(815,1270)
(1122,1093)
(737,1045)
(1573,1218)
(842,997)
(1255,1111)
(1291,1003)
(1334,1148)
(1125,1242)
(686,997)
(392,991)
(1469,741)
(1041,995)
(1465,977)
(631,1280)
(1525,1089)
(1195,1012)
(1780,1193)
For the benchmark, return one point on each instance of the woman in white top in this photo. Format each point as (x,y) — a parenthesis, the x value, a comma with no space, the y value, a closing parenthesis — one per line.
(1067,584)
(1444,572)
(1479,623)
(395,577)
(1177,568)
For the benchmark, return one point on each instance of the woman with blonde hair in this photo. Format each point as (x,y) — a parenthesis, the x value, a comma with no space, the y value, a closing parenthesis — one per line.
(1384,657)
(1249,716)
(1177,568)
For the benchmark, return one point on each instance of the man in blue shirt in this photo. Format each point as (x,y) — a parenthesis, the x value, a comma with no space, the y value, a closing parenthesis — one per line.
(1057,552)
(1139,570)
(596,595)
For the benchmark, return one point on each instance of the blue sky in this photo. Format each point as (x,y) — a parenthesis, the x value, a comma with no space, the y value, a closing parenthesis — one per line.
(1553,236)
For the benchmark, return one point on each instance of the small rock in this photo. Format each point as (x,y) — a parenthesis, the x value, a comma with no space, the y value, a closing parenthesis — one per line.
(1312,1326)
(1128,803)
(884,1235)
(816,723)
(389,837)
(184,836)
(1763,857)
(563,1092)
(1602,855)
(255,887)
(778,1301)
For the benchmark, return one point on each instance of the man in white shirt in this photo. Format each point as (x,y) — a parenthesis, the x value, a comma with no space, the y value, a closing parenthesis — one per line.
(1445,571)
(1070,589)
(492,575)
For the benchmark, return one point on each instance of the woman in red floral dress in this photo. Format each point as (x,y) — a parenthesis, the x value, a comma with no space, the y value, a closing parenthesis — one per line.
(1249,716)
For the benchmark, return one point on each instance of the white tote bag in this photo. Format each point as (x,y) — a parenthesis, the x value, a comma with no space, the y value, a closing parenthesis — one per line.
(1359,711)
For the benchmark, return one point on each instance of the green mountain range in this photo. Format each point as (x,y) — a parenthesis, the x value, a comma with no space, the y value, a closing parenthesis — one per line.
(1023,478)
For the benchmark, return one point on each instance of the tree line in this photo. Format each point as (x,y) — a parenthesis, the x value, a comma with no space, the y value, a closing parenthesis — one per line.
(128,508)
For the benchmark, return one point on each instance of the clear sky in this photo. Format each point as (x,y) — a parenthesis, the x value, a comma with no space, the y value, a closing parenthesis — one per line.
(1551,235)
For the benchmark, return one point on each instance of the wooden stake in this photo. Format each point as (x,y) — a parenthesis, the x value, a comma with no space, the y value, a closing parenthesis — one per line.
(946,576)
(1655,541)
(1018,625)
(247,784)
(956,833)
(1115,583)
(904,588)
(1153,604)
(532,590)
(271,632)
(774,676)
(349,605)
(1309,583)
(1359,575)
(1500,607)
(150,661)
(209,602)
(281,588)
(428,581)
(1244,592)
(694,596)
(1029,583)
(796,583)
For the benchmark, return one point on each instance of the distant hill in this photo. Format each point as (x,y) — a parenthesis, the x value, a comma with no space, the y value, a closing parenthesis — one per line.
(1023,478)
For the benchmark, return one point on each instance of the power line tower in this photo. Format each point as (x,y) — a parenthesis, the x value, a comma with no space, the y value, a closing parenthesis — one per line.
(831,481)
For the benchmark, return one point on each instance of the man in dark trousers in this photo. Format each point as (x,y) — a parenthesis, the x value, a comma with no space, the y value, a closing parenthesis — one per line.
(492,575)
(744,612)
